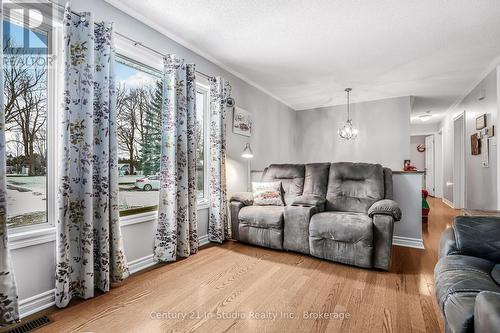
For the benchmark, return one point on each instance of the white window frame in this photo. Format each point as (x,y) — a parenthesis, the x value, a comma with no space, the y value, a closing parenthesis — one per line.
(205,90)
(43,232)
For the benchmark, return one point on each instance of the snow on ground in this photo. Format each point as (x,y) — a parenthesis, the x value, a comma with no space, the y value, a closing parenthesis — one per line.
(27,199)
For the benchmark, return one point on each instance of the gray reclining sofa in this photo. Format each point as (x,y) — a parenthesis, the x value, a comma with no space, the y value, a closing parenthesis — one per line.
(342,212)
(467,275)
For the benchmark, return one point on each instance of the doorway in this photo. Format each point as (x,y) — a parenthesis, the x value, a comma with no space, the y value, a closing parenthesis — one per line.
(459,161)
(429,165)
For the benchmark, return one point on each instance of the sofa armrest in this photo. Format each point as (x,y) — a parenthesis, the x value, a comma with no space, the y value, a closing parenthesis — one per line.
(246,198)
(447,243)
(487,312)
(309,201)
(383,231)
(385,207)
(234,212)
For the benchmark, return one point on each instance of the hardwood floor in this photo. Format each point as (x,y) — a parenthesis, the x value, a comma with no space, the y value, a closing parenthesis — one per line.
(235,282)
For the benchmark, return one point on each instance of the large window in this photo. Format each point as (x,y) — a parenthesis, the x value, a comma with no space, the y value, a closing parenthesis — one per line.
(139,101)
(26,101)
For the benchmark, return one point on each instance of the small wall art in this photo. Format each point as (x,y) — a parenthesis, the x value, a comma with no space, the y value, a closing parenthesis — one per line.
(475,144)
(242,122)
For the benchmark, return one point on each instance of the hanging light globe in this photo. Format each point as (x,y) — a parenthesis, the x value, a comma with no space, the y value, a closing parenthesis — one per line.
(348,131)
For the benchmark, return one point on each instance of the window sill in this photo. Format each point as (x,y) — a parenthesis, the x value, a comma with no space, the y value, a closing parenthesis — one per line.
(152,215)
(21,239)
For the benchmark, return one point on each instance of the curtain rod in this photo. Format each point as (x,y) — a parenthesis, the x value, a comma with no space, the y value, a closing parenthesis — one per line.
(133,41)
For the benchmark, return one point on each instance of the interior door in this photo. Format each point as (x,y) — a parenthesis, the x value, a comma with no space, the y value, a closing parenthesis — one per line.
(429,164)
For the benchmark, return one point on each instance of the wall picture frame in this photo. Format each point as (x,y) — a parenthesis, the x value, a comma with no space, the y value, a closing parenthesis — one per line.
(242,122)
(481,122)
(475,144)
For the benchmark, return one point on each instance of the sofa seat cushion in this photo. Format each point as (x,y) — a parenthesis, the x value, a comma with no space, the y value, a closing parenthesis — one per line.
(342,237)
(343,227)
(262,216)
(458,280)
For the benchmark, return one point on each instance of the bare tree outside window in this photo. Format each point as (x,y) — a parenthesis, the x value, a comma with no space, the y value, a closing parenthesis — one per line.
(25,96)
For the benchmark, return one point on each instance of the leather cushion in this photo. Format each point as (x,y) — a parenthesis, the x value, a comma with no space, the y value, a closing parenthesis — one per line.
(291,177)
(342,227)
(262,216)
(316,179)
(478,236)
(354,187)
(495,274)
(487,312)
(458,280)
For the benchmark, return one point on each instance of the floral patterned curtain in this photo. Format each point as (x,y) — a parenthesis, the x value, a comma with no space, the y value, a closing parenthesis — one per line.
(89,244)
(218,226)
(9,309)
(177,230)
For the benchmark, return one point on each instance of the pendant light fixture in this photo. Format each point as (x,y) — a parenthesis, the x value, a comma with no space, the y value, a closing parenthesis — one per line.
(348,131)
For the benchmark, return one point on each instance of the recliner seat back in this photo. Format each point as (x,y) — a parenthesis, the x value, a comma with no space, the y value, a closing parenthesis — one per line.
(316,179)
(354,187)
(291,177)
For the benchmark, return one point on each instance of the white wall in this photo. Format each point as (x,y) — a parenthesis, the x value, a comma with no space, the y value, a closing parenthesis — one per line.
(417,158)
(481,183)
(384,133)
(424,128)
(272,141)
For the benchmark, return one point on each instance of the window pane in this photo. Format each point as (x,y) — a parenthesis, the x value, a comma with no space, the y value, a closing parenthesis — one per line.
(25,100)
(139,98)
(200,134)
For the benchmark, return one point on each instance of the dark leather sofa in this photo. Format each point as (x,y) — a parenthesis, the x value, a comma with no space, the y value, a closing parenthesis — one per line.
(342,212)
(467,275)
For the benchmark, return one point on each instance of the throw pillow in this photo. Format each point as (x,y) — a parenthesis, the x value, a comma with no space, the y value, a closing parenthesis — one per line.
(267,194)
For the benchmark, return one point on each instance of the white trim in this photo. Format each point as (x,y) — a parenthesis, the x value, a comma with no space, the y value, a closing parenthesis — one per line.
(37,303)
(133,13)
(140,264)
(408,242)
(33,237)
(448,202)
(137,265)
(138,218)
(203,240)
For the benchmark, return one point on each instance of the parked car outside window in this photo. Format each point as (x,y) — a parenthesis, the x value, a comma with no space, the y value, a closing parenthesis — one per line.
(148,183)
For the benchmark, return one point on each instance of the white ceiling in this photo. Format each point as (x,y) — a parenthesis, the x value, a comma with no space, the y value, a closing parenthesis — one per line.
(306,52)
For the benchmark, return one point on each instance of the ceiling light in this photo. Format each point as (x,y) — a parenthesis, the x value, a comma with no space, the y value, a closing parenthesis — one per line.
(348,131)
(426,116)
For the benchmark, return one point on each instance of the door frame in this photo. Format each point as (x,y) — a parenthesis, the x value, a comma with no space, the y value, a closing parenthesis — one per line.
(432,192)
(459,177)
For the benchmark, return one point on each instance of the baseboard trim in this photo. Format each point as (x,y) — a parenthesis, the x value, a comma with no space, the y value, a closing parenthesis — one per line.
(37,303)
(137,265)
(448,202)
(203,240)
(408,242)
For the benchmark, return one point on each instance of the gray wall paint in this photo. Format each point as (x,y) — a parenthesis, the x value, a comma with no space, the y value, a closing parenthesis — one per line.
(384,137)
(481,189)
(481,183)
